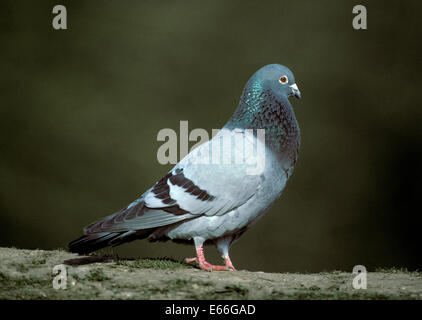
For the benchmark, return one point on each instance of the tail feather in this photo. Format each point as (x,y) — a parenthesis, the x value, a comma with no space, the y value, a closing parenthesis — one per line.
(92,242)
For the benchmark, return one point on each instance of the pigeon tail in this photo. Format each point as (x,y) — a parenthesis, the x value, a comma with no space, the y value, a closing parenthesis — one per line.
(92,242)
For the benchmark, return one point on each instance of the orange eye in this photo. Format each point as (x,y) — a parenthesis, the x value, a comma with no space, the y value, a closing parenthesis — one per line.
(283,80)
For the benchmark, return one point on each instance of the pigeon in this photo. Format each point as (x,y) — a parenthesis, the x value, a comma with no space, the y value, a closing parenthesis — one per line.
(220,188)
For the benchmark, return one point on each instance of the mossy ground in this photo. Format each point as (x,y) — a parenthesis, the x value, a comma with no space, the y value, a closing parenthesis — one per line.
(28,274)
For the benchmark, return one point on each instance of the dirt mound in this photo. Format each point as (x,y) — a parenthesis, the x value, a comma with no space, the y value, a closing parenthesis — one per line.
(28,274)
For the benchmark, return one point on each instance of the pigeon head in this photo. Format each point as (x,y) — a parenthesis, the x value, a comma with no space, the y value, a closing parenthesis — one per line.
(265,99)
(264,104)
(276,78)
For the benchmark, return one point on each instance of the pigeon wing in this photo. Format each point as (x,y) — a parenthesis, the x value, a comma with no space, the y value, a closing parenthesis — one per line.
(214,178)
(198,185)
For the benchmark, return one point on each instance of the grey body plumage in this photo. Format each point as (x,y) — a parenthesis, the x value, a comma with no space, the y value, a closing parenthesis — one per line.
(203,201)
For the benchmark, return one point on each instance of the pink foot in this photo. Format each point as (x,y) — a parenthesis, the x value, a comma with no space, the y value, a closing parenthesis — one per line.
(204,265)
(229,264)
(190,260)
(210,267)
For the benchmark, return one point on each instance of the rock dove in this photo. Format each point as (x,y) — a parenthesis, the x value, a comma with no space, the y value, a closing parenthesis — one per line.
(207,197)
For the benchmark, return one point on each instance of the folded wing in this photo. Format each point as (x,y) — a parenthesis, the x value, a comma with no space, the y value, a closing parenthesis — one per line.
(203,183)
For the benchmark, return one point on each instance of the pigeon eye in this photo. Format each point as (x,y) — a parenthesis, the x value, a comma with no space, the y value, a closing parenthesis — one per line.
(283,80)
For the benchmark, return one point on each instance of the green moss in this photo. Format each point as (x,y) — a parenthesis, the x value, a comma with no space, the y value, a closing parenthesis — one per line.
(202,283)
(97,275)
(155,289)
(3,277)
(159,263)
(177,283)
(27,287)
(21,267)
(311,294)
(395,270)
(39,261)
(233,291)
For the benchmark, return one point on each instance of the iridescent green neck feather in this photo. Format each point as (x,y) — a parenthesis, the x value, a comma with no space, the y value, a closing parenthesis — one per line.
(260,108)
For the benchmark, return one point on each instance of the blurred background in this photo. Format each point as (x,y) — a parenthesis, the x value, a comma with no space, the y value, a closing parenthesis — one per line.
(81,108)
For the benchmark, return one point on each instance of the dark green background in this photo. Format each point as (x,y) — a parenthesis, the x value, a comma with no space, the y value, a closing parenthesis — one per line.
(81,108)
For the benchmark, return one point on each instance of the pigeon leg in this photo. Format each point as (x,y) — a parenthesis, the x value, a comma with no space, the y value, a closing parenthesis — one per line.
(229,263)
(223,245)
(200,258)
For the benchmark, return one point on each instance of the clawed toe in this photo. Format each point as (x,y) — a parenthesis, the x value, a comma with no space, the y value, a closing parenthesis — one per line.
(209,267)
(191,260)
(204,265)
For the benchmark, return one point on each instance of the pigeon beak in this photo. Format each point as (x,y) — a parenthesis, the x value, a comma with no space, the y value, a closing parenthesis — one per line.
(295,91)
